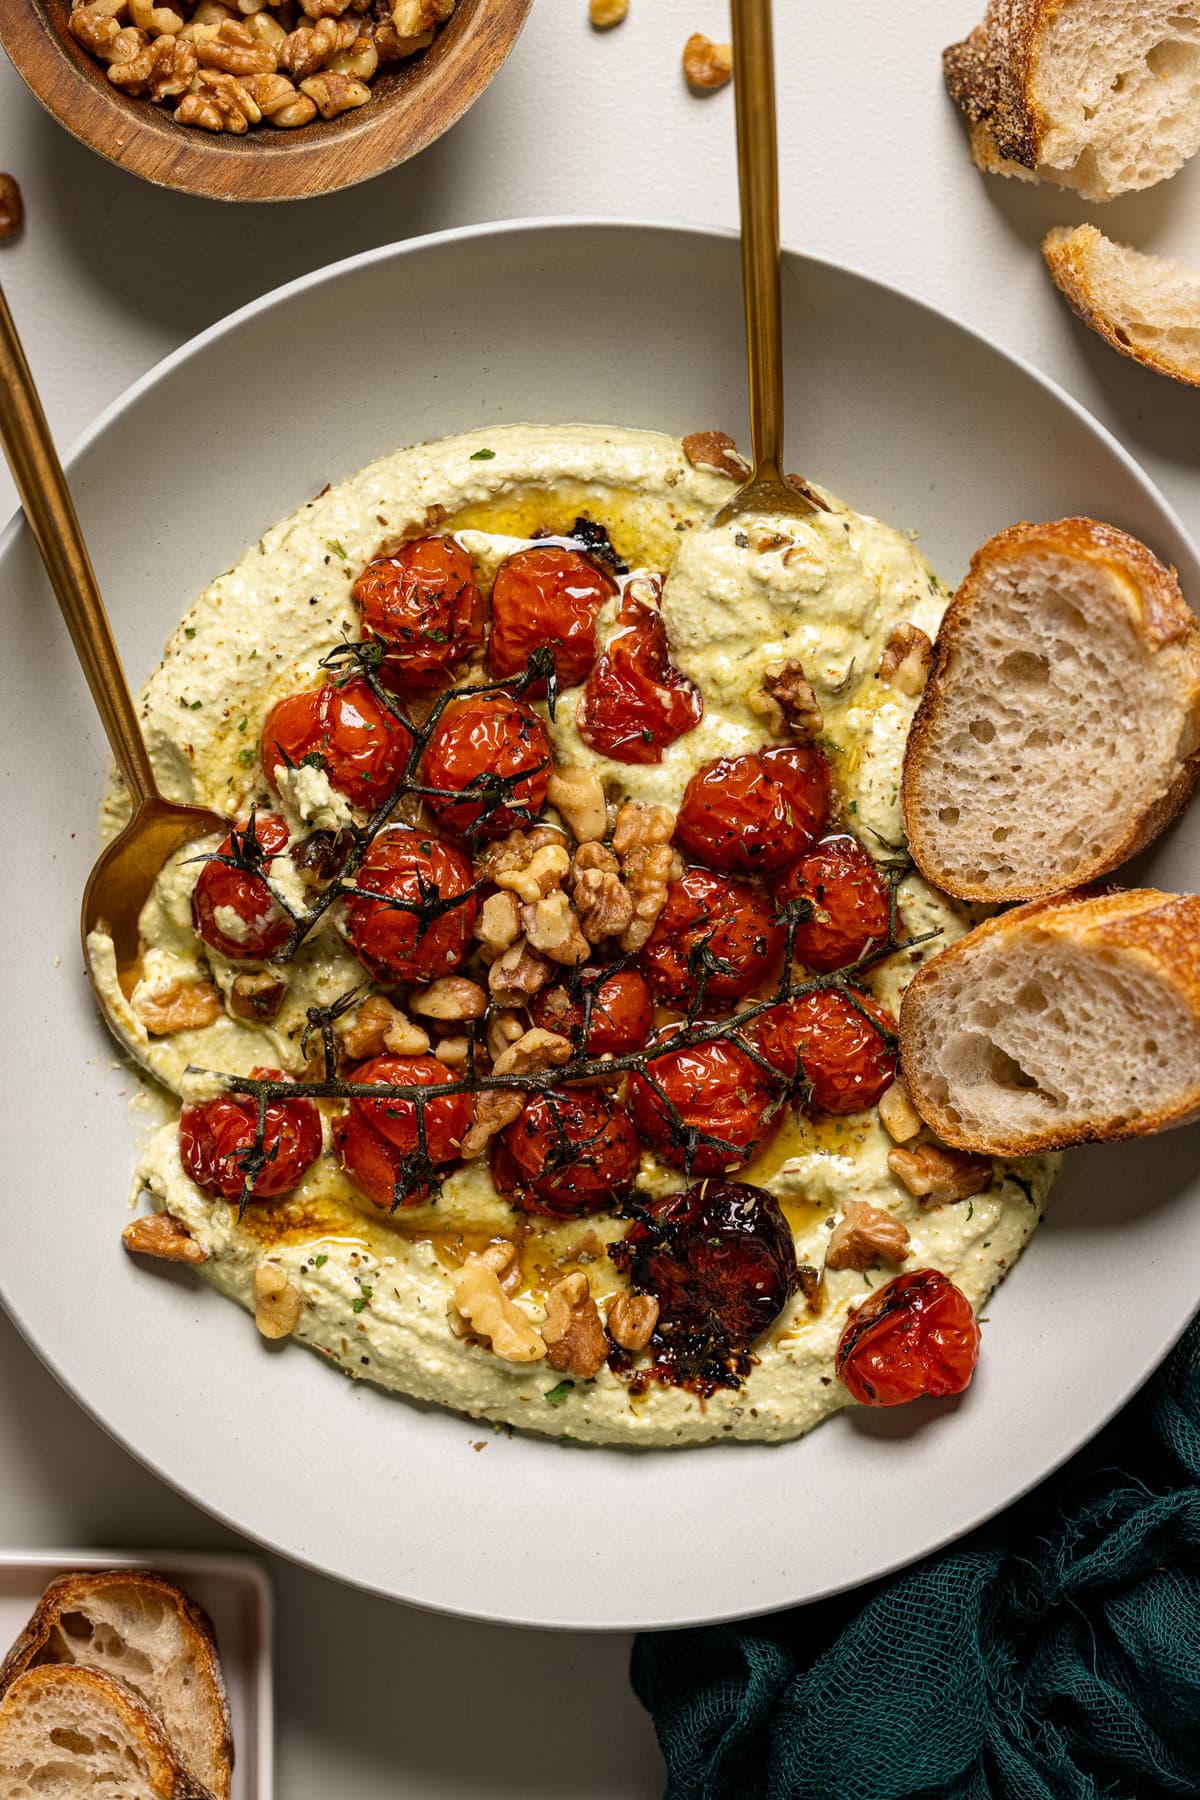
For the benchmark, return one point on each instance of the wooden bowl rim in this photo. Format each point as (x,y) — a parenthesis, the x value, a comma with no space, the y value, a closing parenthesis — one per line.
(444,82)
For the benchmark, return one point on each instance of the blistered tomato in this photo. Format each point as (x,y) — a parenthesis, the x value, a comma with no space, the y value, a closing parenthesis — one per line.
(635,702)
(714,930)
(547,595)
(423,604)
(848,901)
(831,1044)
(705,1109)
(494,749)
(753,815)
(414,922)
(342,729)
(568,1153)
(232,908)
(917,1335)
(216,1143)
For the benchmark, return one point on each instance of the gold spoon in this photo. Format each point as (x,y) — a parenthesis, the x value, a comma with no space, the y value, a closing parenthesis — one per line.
(120,883)
(765,491)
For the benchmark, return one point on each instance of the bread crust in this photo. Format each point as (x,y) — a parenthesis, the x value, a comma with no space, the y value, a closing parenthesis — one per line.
(69,1593)
(988,78)
(1161,616)
(1065,249)
(171,1781)
(1160,931)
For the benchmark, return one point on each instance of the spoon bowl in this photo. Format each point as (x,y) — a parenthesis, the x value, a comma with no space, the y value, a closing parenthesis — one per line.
(120,883)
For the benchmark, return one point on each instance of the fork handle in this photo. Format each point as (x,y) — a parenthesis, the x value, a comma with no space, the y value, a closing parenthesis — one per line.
(51,515)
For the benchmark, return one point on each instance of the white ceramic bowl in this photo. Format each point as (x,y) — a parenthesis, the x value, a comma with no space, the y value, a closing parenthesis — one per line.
(906,414)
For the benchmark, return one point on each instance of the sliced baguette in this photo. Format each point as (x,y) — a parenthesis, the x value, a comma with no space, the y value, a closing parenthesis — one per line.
(75,1734)
(143,1630)
(1059,730)
(1096,95)
(1062,1022)
(1147,307)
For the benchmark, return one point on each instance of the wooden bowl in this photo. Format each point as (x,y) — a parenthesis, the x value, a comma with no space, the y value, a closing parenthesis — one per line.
(411,104)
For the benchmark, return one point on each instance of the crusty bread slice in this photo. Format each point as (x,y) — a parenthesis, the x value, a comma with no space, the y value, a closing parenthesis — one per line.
(1060,726)
(75,1734)
(1096,95)
(1062,1022)
(142,1629)
(1147,307)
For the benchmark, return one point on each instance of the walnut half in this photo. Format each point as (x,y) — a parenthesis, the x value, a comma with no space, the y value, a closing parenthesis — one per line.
(480,1300)
(164,1237)
(864,1234)
(906,661)
(787,701)
(573,1335)
(936,1175)
(706,65)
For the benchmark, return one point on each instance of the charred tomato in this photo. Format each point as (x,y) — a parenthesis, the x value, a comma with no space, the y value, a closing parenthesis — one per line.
(617,1004)
(216,1143)
(447,1117)
(568,1153)
(495,750)
(753,815)
(635,702)
(721,1262)
(848,901)
(717,1107)
(547,595)
(232,908)
(344,730)
(917,1335)
(422,603)
(713,924)
(831,1042)
(414,921)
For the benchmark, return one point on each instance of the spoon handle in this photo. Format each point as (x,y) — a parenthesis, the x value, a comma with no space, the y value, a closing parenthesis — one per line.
(758,184)
(50,512)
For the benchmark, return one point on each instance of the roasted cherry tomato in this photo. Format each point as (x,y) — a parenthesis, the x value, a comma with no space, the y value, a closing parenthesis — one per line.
(824,1039)
(621,1014)
(716,1091)
(849,900)
(492,747)
(232,910)
(422,927)
(710,921)
(568,1153)
(342,729)
(635,702)
(917,1335)
(447,1118)
(753,815)
(216,1143)
(547,595)
(423,604)
(721,1262)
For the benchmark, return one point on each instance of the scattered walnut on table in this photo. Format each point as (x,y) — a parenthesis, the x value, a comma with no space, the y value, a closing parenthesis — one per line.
(715,450)
(606,13)
(165,1238)
(937,1175)
(573,1335)
(787,701)
(906,660)
(706,65)
(12,207)
(863,1235)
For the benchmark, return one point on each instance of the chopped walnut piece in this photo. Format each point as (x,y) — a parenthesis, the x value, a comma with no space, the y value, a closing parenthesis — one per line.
(361,1032)
(631,1320)
(162,1236)
(863,1234)
(455,1052)
(552,929)
(256,997)
(897,1114)
(494,1109)
(403,1038)
(310,47)
(234,50)
(906,660)
(451,998)
(642,840)
(502,1257)
(155,21)
(12,207)
(504,1028)
(324,9)
(706,65)
(715,450)
(573,1335)
(361,60)
(277,1304)
(937,1175)
(529,864)
(578,794)
(606,13)
(480,1300)
(218,102)
(518,975)
(602,901)
(497,924)
(97,25)
(532,1052)
(332,93)
(787,701)
(164,69)
(183,1006)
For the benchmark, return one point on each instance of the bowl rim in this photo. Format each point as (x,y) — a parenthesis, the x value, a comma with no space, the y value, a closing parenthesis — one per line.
(1080,1433)
(365,144)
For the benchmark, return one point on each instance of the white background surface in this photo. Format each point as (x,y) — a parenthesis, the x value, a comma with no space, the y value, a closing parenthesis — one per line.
(111,274)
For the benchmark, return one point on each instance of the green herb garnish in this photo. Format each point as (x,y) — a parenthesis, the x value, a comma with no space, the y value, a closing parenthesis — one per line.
(487,456)
(556,1395)
(322,1259)
(336,545)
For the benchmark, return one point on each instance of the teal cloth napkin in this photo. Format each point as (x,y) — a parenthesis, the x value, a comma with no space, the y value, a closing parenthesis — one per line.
(1052,1655)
